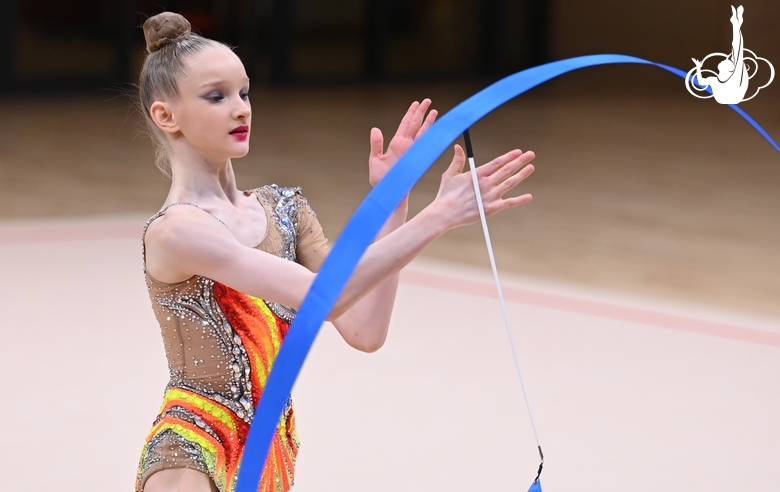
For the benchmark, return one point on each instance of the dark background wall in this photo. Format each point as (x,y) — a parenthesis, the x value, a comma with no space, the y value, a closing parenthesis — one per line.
(666,31)
(52,45)
(650,190)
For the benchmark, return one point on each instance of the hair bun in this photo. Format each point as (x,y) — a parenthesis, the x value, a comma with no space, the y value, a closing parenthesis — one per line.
(165,28)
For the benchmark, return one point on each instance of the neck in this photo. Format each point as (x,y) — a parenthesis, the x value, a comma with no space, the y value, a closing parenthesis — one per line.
(200,181)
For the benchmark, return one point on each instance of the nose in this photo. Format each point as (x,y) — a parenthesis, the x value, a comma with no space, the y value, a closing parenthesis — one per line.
(242,109)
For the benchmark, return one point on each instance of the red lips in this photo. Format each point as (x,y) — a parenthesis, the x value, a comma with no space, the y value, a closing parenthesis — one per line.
(240,132)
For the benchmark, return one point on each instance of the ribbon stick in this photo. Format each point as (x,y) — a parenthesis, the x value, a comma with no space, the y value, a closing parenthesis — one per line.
(365,224)
(478,194)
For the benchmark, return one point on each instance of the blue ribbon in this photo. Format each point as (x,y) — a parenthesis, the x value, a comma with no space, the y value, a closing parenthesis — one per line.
(365,224)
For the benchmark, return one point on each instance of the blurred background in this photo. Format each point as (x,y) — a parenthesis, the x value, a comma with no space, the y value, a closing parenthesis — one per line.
(646,201)
(640,187)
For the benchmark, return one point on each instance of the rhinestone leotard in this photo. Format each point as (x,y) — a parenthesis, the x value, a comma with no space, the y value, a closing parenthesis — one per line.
(220,345)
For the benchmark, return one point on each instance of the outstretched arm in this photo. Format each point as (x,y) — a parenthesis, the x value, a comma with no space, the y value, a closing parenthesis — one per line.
(391,253)
(365,324)
(189,242)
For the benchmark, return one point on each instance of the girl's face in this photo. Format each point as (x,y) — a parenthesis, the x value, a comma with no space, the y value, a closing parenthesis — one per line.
(213,111)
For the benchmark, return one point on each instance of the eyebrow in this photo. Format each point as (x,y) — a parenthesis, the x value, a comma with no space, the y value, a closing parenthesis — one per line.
(219,82)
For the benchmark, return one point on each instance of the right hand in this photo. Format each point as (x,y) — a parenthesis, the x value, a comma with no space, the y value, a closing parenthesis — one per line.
(413,124)
(456,200)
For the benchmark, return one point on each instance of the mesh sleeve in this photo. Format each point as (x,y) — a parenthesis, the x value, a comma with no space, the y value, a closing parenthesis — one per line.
(312,244)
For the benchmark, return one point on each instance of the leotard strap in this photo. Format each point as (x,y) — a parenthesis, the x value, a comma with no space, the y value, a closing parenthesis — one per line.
(162,212)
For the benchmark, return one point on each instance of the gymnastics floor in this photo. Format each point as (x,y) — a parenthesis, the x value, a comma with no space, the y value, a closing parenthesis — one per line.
(628,392)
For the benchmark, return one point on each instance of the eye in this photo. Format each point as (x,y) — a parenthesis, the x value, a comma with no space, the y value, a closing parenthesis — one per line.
(244,94)
(215,96)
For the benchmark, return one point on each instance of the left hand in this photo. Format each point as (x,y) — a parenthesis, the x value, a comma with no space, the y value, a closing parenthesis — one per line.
(413,124)
(456,205)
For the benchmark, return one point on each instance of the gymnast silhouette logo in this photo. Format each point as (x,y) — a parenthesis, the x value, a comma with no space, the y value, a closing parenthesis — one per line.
(735,71)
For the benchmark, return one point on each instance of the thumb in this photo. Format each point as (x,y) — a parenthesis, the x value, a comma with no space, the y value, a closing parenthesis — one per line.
(377,142)
(458,161)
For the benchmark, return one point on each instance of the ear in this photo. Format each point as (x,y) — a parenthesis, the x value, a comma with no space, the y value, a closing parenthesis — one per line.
(163,117)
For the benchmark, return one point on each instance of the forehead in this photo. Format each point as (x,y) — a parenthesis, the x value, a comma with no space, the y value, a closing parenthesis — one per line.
(214,65)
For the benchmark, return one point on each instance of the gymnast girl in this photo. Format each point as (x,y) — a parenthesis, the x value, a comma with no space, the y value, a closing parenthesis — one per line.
(226,269)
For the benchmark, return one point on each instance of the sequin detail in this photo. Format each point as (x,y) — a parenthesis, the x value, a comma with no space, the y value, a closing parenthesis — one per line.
(205,428)
(220,345)
(203,312)
(285,215)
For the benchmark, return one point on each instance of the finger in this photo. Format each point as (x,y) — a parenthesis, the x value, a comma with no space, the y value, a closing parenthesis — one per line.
(458,161)
(516,179)
(517,200)
(493,208)
(429,120)
(496,164)
(407,119)
(377,142)
(511,167)
(417,118)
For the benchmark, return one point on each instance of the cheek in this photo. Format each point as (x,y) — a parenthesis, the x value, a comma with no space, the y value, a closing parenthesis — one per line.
(201,124)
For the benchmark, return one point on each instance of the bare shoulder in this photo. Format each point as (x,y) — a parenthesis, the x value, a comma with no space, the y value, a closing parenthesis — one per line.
(186,241)
(183,242)
(182,225)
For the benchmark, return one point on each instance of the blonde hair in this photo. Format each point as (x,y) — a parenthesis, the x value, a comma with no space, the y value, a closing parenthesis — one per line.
(169,41)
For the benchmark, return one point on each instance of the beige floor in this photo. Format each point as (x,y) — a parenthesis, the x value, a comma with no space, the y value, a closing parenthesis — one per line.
(639,187)
(628,392)
(643,290)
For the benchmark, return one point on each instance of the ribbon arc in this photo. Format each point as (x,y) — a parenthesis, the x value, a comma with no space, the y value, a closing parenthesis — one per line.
(365,224)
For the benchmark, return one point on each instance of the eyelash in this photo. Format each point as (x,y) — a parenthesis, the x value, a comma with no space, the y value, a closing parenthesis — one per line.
(216,97)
